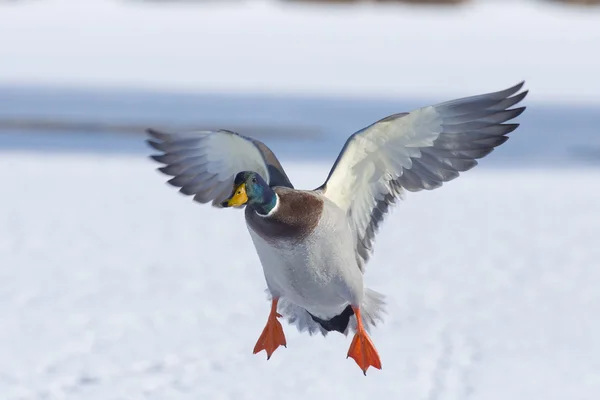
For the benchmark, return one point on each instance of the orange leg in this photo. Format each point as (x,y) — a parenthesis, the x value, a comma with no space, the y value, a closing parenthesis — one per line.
(362,349)
(272,336)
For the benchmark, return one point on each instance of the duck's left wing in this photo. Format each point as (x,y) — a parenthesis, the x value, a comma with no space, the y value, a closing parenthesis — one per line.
(415,151)
(204,164)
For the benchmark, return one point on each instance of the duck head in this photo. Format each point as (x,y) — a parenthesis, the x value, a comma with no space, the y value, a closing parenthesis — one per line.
(250,188)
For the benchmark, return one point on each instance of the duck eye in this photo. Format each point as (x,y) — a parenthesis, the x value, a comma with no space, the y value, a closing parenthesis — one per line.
(253,180)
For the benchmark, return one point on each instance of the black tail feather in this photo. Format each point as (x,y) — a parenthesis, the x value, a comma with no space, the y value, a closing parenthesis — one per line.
(338,323)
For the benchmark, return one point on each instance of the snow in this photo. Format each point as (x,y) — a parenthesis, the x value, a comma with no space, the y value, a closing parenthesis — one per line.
(114,286)
(364,50)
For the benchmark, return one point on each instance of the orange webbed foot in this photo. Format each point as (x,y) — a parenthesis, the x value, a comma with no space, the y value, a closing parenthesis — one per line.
(362,349)
(272,336)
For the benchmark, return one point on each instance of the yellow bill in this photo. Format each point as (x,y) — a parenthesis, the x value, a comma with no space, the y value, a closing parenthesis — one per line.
(239,197)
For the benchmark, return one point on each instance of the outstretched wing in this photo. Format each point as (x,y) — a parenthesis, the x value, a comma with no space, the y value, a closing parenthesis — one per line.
(204,164)
(414,151)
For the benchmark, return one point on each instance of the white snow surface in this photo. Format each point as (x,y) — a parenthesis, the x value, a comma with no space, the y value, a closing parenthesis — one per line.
(115,286)
(364,49)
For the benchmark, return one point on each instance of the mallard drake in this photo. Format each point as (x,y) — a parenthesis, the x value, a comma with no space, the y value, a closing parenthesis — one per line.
(314,244)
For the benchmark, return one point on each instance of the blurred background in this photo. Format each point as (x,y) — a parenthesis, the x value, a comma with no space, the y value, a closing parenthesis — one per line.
(114,286)
(94,73)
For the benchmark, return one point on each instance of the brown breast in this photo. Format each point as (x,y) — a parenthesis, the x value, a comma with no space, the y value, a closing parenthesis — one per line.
(297,215)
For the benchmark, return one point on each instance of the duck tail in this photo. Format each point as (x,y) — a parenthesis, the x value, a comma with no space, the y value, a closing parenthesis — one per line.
(372,309)
(372,312)
(301,318)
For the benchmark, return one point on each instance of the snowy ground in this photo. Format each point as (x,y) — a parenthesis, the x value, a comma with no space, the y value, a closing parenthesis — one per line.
(114,286)
(383,51)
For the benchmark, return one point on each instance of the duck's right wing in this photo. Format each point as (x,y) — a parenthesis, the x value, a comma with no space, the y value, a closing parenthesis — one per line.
(204,164)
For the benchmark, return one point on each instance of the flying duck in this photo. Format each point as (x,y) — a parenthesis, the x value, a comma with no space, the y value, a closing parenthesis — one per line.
(314,244)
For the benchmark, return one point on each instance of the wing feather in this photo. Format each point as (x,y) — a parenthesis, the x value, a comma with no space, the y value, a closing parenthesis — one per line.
(204,164)
(415,151)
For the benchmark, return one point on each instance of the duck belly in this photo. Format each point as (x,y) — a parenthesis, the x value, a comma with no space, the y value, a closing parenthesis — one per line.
(318,272)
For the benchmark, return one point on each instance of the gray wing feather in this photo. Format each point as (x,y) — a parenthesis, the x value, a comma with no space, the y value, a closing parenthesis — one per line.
(415,151)
(203,164)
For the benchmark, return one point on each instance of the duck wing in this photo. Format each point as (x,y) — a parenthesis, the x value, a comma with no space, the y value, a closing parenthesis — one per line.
(415,151)
(204,164)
